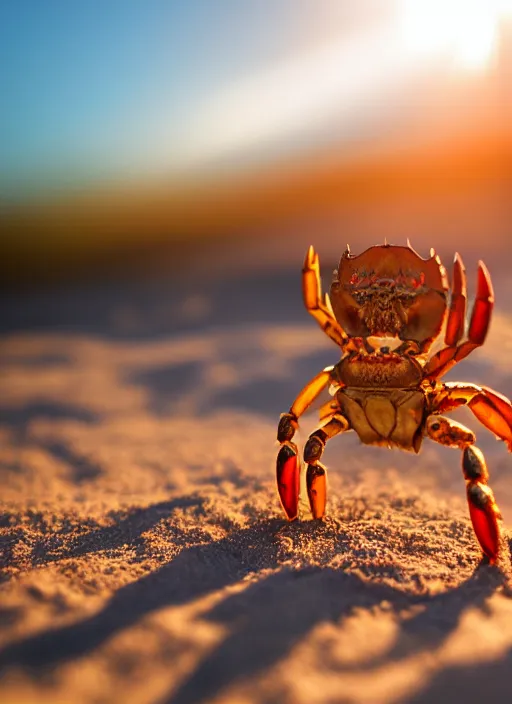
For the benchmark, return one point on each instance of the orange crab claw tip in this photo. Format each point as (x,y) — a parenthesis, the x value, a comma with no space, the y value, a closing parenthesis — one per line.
(432,252)
(484,284)
(459,282)
(457,260)
(311,260)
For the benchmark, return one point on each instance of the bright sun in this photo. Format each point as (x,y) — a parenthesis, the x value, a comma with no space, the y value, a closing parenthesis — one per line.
(467,30)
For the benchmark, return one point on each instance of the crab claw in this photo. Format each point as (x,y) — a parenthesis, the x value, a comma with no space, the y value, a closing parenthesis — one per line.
(288,479)
(482,307)
(484,515)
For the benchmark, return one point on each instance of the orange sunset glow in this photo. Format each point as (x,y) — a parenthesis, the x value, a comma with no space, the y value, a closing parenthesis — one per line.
(405,109)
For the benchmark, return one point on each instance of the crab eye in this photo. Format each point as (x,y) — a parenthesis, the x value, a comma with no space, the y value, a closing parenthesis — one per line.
(416,283)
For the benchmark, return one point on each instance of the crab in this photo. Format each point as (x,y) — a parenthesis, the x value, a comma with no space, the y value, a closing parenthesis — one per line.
(388,311)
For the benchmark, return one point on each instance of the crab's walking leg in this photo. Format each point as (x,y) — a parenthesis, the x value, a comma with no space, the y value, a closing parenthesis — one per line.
(491,408)
(315,474)
(288,463)
(483,509)
(319,306)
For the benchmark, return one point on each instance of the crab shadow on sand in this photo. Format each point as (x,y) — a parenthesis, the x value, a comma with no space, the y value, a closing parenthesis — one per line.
(263,622)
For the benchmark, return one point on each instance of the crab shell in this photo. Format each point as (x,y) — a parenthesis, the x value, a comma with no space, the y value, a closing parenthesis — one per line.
(390,291)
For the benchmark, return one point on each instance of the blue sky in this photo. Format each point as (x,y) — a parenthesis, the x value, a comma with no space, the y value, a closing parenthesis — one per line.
(85,83)
(100,89)
(93,88)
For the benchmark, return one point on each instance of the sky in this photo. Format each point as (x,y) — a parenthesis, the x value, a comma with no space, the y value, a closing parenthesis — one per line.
(124,89)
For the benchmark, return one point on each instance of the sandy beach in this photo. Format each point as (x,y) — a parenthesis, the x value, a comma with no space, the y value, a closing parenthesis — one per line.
(145,557)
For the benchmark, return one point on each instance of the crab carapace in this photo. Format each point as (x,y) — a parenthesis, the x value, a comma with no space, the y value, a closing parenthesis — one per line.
(387,307)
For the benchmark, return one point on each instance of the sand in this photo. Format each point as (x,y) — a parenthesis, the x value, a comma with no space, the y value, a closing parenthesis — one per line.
(144,554)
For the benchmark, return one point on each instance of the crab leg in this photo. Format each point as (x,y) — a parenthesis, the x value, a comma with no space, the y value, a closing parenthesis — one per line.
(448,432)
(315,474)
(483,510)
(288,479)
(319,307)
(491,408)
(446,358)
(288,463)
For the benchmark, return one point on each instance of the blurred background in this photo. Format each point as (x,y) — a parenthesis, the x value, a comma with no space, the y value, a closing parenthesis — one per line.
(170,141)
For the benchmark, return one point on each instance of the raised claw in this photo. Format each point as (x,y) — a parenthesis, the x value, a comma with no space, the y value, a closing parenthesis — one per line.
(317,305)
(457,313)
(455,350)
(482,307)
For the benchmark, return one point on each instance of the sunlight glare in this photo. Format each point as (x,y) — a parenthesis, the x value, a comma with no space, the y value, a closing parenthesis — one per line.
(343,86)
(464,30)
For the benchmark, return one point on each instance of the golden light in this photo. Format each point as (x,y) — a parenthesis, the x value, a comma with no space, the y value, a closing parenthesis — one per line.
(464,31)
(343,86)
